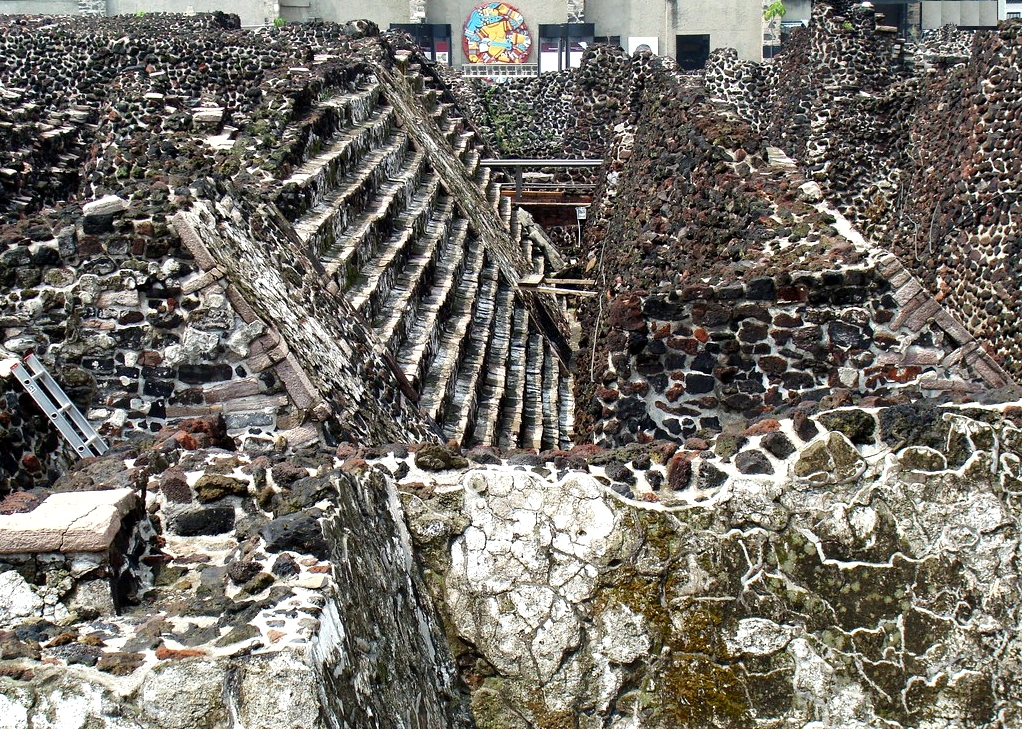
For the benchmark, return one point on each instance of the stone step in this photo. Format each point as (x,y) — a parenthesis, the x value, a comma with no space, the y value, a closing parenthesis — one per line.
(504,207)
(472,313)
(449,124)
(482,181)
(449,305)
(462,148)
(566,429)
(465,397)
(531,435)
(550,399)
(514,389)
(321,225)
(357,105)
(493,195)
(492,395)
(426,284)
(361,240)
(378,276)
(472,158)
(343,155)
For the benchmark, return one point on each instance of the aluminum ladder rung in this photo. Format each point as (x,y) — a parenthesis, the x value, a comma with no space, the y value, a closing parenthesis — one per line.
(57,406)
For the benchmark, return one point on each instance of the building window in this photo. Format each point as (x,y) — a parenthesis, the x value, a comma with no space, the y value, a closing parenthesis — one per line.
(561,45)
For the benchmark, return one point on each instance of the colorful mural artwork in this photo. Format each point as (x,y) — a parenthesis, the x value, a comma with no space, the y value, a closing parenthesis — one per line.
(496,33)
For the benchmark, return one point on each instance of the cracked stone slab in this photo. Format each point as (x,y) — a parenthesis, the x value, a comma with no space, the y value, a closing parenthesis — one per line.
(73,522)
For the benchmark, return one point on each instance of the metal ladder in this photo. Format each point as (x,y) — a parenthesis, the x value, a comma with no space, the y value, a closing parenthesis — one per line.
(51,397)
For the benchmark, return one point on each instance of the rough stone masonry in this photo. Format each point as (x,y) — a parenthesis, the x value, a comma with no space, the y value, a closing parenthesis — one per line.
(343,488)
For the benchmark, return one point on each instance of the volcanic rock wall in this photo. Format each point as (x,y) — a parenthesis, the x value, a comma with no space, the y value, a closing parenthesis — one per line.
(254,609)
(687,363)
(138,335)
(569,114)
(836,101)
(29,447)
(962,191)
(923,161)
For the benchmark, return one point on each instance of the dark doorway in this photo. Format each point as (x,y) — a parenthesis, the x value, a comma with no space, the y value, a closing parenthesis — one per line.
(894,15)
(433,40)
(693,50)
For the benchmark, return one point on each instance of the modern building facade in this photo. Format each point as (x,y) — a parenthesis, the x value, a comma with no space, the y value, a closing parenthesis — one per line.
(554,32)
(544,35)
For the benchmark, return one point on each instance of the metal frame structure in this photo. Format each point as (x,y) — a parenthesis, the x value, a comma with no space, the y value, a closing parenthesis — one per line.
(520,164)
(63,413)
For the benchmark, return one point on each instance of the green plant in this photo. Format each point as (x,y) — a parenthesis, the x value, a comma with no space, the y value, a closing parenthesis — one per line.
(278,22)
(140,14)
(776,9)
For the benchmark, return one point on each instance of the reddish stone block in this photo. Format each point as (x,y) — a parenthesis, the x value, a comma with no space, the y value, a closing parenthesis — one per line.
(30,462)
(767,425)
(792,294)
(679,472)
(626,313)
(167,654)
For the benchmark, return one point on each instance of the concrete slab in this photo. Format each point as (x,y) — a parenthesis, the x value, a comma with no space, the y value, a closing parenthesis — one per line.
(86,521)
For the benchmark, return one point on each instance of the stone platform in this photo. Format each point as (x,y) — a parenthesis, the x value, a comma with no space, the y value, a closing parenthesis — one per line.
(75,522)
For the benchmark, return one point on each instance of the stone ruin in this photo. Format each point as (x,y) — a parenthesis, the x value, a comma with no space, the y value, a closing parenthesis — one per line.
(363,474)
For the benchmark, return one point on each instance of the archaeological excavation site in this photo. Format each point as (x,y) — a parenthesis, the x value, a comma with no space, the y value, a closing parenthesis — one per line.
(341,390)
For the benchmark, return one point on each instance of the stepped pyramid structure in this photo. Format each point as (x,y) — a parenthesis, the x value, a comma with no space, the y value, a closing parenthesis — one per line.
(341,155)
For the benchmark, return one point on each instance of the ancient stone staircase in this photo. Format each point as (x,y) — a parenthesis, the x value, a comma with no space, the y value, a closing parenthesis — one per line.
(394,240)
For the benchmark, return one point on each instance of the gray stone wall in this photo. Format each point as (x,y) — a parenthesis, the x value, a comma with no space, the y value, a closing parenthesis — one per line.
(809,572)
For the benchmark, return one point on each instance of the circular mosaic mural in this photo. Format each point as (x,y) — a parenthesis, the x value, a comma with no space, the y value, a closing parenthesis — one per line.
(496,33)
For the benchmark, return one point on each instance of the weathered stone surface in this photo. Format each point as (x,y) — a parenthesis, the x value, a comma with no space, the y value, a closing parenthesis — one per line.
(71,522)
(205,520)
(857,425)
(108,205)
(753,462)
(17,599)
(587,597)
(435,457)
